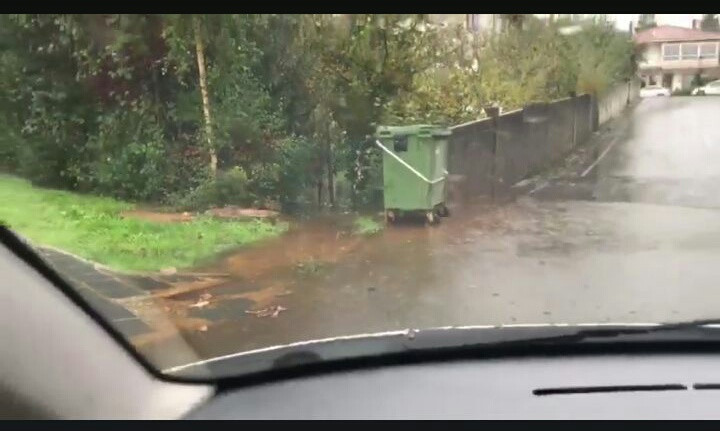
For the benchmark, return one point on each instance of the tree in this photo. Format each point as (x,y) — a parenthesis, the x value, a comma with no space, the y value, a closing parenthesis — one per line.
(514,21)
(606,56)
(181,33)
(371,60)
(710,22)
(168,107)
(646,21)
(202,77)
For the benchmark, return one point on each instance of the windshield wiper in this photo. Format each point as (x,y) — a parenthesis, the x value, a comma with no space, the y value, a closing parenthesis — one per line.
(695,330)
(447,339)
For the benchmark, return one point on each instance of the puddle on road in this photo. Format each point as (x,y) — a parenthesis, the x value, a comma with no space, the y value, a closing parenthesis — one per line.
(306,243)
(301,270)
(260,298)
(312,248)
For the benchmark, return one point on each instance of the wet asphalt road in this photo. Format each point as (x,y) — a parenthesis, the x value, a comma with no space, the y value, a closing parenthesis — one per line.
(634,239)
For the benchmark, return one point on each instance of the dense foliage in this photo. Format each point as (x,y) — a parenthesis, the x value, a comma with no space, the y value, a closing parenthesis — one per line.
(202,110)
(710,22)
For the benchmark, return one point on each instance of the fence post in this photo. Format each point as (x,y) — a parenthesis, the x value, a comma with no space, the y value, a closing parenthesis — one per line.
(493,112)
(574,126)
(594,113)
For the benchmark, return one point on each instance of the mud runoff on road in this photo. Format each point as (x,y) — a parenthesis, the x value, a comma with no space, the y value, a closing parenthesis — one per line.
(318,280)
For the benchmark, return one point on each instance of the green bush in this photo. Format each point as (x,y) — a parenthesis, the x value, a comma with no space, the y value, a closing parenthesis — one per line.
(229,188)
(291,167)
(363,169)
(10,141)
(128,156)
(298,164)
(50,147)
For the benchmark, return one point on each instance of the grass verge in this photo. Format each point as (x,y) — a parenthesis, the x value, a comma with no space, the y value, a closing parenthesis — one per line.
(92,227)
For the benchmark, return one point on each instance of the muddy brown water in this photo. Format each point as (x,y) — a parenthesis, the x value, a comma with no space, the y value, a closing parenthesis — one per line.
(322,276)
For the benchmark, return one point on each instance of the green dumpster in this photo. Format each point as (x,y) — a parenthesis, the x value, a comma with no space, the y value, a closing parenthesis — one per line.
(414,170)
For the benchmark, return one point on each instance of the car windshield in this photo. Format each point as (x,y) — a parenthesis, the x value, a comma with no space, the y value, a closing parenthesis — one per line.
(221,185)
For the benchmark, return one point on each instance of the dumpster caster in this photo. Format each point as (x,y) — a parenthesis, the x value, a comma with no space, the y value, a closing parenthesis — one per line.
(431,218)
(390,216)
(443,211)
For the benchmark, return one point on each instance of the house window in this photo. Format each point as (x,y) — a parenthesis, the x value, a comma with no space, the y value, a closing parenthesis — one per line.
(690,51)
(671,52)
(709,50)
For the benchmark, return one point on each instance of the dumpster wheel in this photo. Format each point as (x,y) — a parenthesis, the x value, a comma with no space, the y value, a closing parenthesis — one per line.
(443,211)
(431,218)
(390,216)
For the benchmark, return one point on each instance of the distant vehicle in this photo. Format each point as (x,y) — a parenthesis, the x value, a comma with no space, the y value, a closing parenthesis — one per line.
(709,88)
(654,91)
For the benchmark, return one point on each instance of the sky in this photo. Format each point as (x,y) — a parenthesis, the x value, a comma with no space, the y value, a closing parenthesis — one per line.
(679,19)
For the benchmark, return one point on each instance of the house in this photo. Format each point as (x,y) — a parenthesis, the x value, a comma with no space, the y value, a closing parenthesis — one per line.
(484,23)
(672,56)
(472,22)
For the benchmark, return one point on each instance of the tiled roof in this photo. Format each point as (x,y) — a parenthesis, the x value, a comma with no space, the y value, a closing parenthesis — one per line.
(670,33)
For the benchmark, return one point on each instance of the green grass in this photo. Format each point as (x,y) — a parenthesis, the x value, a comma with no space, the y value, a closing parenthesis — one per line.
(366,226)
(91,227)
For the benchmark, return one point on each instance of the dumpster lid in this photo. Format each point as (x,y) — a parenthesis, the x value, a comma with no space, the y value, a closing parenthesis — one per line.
(417,129)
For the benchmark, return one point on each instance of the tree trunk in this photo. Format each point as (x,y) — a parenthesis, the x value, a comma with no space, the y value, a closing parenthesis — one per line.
(200,52)
(330,178)
(319,191)
(330,169)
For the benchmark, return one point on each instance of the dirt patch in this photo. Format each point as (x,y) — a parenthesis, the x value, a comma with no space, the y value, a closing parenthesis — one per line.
(201,283)
(305,248)
(261,298)
(235,212)
(228,212)
(171,317)
(158,217)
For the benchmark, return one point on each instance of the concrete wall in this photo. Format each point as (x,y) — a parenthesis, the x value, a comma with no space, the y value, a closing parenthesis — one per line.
(471,157)
(616,99)
(586,118)
(488,156)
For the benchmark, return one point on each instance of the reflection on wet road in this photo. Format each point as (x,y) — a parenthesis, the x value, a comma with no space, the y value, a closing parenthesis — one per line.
(666,153)
(637,239)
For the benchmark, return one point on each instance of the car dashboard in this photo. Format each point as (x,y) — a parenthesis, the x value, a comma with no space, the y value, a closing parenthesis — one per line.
(617,386)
